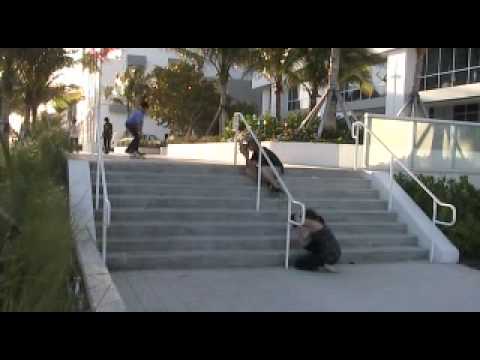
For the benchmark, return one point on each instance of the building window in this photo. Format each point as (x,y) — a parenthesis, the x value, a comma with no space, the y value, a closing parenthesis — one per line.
(293,99)
(448,67)
(467,112)
(352,92)
(137,61)
(173,61)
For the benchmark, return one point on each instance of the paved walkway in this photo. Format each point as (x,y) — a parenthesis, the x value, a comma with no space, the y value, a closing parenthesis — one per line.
(390,287)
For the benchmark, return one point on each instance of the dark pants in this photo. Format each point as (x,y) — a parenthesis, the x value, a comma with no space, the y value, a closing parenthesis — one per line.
(133,147)
(107,142)
(74,144)
(313,261)
(309,262)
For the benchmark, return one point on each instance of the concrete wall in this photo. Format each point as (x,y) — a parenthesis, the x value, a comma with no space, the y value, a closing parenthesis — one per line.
(102,293)
(418,223)
(308,154)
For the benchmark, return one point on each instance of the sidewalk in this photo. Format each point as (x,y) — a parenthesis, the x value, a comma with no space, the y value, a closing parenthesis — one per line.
(380,287)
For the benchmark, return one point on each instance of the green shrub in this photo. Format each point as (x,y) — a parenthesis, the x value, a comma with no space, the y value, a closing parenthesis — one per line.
(37,264)
(465,235)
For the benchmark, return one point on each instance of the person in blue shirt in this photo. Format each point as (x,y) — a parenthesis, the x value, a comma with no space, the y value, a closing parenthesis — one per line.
(134,125)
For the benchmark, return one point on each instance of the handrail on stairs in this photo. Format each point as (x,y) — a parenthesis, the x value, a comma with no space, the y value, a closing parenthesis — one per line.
(106,206)
(291,201)
(394,160)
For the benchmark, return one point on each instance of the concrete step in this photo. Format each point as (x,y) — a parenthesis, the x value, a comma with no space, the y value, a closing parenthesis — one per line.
(228,214)
(186,178)
(164,228)
(245,202)
(250,259)
(234,191)
(239,242)
(203,169)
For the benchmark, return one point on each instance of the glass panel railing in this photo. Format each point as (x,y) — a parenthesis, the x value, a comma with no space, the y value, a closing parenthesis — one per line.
(424,144)
(432,146)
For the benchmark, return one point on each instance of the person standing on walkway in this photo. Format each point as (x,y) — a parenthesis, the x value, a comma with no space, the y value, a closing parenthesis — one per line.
(74,134)
(134,125)
(107,135)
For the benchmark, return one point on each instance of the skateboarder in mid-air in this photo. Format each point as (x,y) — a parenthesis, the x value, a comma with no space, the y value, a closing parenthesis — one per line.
(134,125)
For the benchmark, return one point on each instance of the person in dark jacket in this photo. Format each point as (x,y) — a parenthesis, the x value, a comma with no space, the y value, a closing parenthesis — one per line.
(320,242)
(107,135)
(268,175)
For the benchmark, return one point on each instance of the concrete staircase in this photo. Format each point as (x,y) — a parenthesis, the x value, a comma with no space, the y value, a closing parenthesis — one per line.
(180,215)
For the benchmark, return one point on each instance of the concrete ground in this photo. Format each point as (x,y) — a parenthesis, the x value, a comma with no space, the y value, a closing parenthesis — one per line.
(412,287)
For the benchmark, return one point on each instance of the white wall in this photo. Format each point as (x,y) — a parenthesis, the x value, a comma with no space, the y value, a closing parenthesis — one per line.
(401,65)
(155,57)
(307,154)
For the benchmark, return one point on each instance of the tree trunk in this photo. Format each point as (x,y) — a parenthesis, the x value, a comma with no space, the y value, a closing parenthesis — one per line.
(34,113)
(278,98)
(223,108)
(210,127)
(313,96)
(7,89)
(331,113)
(421,52)
(4,123)
(26,120)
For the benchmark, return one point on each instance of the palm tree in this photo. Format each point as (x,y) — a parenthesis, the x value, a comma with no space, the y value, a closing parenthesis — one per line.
(348,65)
(313,73)
(133,87)
(278,65)
(223,60)
(35,69)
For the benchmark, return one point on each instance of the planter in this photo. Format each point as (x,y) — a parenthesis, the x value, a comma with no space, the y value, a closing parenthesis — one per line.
(145,150)
(292,153)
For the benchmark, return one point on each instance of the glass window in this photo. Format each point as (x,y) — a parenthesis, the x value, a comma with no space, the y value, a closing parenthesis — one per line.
(446,59)
(432,61)
(422,84)
(460,78)
(293,100)
(475,57)
(355,95)
(432,82)
(468,112)
(461,58)
(445,80)
(475,76)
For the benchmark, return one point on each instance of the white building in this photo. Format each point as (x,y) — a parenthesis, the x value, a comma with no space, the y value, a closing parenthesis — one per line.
(240,88)
(450,85)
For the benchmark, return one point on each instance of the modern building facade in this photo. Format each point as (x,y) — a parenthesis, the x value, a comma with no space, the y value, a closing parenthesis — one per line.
(117,62)
(240,88)
(450,85)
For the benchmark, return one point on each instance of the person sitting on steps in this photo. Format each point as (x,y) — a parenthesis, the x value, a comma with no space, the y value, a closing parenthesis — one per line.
(252,164)
(317,238)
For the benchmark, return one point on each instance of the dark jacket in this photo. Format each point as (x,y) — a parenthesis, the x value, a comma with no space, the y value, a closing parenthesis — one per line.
(274,158)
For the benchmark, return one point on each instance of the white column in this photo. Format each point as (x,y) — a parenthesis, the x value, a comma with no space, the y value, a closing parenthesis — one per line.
(266,100)
(401,65)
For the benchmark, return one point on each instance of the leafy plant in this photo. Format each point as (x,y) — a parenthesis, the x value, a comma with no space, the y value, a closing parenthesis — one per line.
(466,233)
(37,266)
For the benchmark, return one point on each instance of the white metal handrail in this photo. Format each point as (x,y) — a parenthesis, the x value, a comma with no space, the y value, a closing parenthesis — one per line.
(291,201)
(106,208)
(395,160)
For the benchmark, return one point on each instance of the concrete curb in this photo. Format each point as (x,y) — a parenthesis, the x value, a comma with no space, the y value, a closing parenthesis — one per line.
(102,294)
